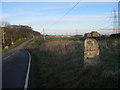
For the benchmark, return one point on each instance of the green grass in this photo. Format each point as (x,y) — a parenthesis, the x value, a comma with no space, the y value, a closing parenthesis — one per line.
(17,43)
(59,64)
(63,38)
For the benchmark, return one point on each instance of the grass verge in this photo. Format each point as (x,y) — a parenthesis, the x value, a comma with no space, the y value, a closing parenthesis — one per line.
(17,43)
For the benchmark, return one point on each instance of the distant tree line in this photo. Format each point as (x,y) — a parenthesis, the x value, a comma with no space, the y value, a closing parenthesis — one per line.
(12,33)
(115,35)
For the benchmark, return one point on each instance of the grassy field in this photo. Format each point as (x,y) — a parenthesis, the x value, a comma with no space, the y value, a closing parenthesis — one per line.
(59,63)
(62,38)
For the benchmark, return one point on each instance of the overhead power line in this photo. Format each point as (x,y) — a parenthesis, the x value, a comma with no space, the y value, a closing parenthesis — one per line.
(66,13)
(69,10)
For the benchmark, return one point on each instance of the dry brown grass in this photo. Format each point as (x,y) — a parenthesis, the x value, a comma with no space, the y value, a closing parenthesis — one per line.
(58,47)
(56,63)
(59,64)
(108,74)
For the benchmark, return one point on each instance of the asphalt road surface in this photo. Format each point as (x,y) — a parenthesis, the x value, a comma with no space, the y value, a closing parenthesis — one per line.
(14,67)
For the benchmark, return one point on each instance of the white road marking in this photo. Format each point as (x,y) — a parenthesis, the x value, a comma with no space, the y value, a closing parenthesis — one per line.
(6,57)
(15,52)
(11,55)
(28,71)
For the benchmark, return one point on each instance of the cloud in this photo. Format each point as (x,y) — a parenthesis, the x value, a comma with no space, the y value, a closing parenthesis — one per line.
(46,13)
(84,23)
(71,19)
(51,8)
(68,5)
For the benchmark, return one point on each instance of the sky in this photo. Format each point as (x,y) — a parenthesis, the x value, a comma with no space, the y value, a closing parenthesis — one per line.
(60,18)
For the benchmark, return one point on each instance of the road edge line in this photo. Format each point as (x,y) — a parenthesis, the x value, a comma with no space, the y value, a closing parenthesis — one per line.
(28,72)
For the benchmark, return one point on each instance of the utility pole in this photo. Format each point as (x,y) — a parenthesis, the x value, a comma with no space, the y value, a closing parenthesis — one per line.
(76,32)
(3,36)
(44,33)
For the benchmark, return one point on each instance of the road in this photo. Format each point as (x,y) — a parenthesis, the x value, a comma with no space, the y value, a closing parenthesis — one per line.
(14,67)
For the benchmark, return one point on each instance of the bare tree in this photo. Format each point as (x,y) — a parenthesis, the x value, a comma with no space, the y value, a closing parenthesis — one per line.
(4,24)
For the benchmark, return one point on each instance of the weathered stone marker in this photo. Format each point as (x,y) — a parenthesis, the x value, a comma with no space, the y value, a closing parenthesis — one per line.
(91,52)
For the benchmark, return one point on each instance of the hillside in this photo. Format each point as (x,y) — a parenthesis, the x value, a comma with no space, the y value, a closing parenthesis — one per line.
(13,33)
